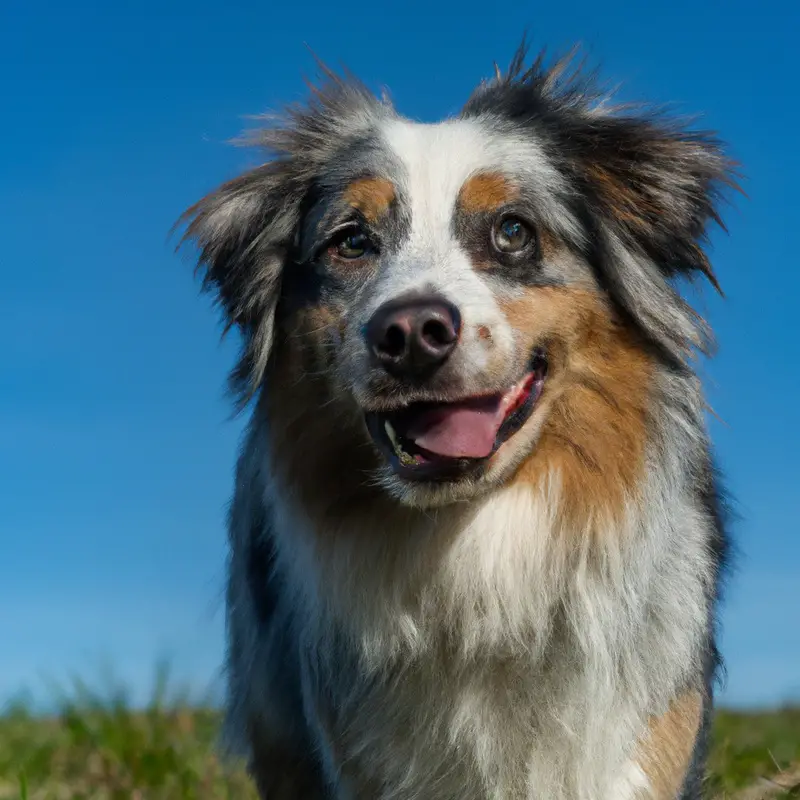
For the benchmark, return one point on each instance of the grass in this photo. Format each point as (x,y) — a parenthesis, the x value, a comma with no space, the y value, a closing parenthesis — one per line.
(97,747)
(749,746)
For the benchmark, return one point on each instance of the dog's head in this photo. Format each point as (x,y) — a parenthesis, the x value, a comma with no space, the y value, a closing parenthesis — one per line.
(430,302)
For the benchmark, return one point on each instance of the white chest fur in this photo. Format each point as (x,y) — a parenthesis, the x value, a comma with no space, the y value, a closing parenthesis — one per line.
(489,648)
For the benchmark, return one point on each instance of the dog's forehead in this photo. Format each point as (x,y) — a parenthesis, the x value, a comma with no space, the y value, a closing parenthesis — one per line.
(437,159)
(432,164)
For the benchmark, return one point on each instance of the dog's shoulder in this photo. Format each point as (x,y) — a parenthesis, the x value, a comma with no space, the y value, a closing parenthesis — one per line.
(250,535)
(265,696)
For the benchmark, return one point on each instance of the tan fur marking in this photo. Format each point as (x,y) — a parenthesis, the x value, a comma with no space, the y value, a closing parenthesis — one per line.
(638,210)
(371,196)
(595,400)
(630,205)
(303,415)
(549,244)
(486,191)
(667,749)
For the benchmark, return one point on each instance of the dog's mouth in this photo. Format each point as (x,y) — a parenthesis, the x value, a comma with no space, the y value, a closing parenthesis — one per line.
(446,440)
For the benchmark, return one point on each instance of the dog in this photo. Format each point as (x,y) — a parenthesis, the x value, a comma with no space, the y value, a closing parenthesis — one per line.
(477,537)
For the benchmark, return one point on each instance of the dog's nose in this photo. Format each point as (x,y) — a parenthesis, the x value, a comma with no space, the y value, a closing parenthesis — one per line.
(411,337)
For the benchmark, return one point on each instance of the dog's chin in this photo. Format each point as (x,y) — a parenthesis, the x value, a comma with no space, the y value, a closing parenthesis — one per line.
(442,451)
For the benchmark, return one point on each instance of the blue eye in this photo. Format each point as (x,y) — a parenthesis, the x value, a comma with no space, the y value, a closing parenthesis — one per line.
(511,235)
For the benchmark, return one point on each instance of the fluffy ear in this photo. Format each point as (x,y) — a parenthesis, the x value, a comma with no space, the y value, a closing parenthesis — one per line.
(245,229)
(647,188)
(653,189)
(243,232)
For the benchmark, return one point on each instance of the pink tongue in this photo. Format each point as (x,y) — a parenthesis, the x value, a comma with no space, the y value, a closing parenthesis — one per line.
(466,430)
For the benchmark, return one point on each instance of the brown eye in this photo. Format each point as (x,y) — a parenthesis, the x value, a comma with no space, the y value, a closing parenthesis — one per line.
(351,245)
(511,235)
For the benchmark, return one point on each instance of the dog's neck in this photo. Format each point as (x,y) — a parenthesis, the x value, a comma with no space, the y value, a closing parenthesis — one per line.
(496,574)
(492,575)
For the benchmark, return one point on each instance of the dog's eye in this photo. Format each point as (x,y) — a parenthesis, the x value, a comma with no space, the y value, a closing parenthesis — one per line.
(511,235)
(351,245)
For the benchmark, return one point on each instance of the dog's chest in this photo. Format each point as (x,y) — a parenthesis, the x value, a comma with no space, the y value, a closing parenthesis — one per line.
(506,731)
(499,676)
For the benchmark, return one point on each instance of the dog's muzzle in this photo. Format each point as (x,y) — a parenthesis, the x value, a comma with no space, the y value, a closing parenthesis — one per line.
(411,338)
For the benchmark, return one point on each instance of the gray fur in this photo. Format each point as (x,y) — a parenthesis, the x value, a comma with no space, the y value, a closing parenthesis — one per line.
(390,641)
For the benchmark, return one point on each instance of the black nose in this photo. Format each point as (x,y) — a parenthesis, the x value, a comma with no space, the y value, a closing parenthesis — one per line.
(410,337)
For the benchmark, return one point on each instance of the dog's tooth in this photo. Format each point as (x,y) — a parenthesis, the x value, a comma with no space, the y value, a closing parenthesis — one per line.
(404,457)
(387,426)
(390,432)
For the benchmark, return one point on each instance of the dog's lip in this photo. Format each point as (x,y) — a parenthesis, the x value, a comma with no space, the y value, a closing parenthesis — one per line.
(509,409)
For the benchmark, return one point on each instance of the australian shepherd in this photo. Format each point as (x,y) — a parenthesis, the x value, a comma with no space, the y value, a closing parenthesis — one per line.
(476,538)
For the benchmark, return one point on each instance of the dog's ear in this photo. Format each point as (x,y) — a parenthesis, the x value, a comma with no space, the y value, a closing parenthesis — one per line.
(646,187)
(653,189)
(244,231)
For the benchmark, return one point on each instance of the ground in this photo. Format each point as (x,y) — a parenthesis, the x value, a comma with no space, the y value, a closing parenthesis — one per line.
(97,748)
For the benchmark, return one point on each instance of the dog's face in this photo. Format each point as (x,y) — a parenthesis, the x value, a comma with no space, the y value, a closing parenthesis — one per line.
(420,253)
(449,290)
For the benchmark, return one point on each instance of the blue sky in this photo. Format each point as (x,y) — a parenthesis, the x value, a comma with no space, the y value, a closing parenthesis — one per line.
(116,448)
